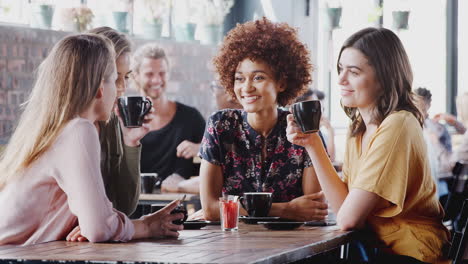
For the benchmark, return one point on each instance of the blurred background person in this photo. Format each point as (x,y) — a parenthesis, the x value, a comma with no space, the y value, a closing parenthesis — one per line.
(436,136)
(177,129)
(460,152)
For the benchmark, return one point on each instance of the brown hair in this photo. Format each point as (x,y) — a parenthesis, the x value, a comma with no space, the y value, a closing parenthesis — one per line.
(277,45)
(386,54)
(121,42)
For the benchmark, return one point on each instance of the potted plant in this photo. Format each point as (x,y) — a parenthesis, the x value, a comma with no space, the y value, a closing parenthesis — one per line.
(42,13)
(334,10)
(153,14)
(76,18)
(210,19)
(185,18)
(120,15)
(400,19)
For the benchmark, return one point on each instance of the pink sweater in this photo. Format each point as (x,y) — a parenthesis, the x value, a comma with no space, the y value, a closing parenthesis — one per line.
(61,189)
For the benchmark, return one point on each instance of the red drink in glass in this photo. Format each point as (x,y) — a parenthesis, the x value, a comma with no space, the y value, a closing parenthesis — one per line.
(229,215)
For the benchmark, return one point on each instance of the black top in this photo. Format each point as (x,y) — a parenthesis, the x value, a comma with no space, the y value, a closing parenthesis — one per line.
(158,153)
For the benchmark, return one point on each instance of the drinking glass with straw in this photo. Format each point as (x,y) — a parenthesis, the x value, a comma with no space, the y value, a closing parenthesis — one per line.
(229,212)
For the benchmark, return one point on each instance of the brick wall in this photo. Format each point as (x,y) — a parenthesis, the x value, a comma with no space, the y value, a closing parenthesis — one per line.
(22,50)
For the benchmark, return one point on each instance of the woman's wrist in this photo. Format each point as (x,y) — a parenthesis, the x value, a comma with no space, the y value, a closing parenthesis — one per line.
(131,143)
(279,209)
(314,142)
(141,227)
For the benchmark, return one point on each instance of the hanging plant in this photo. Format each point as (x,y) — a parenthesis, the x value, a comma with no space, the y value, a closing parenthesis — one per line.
(334,15)
(400,19)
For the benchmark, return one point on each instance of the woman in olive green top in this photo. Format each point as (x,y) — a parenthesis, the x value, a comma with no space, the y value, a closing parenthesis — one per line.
(120,146)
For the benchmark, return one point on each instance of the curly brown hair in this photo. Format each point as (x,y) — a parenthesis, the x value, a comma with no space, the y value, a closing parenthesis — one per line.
(275,44)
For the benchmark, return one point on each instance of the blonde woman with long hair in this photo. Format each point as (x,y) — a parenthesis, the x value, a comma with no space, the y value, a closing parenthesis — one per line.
(51,177)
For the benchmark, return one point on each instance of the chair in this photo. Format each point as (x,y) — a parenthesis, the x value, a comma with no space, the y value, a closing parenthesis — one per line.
(457,193)
(459,249)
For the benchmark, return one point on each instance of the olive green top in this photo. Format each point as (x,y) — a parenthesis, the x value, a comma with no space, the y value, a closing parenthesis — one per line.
(120,167)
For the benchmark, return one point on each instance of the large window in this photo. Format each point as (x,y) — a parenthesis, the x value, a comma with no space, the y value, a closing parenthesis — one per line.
(462,46)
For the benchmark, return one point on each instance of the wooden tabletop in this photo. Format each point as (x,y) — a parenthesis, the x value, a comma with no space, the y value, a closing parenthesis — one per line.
(251,244)
(167,196)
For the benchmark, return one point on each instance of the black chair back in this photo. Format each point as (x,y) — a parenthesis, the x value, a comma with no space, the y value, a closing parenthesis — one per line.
(457,192)
(459,248)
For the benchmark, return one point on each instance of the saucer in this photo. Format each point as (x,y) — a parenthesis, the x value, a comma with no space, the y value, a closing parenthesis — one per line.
(196,224)
(252,220)
(281,225)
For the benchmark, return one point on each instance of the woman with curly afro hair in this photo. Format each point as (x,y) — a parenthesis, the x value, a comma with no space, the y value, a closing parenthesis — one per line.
(262,65)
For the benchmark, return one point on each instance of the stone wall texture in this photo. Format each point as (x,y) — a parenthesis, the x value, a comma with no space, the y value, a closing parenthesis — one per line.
(22,49)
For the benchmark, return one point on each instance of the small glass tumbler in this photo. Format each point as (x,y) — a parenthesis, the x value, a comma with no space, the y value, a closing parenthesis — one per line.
(229,211)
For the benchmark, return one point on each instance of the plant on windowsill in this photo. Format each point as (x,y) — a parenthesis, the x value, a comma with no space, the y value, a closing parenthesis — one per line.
(120,15)
(76,18)
(153,15)
(185,19)
(42,13)
(210,19)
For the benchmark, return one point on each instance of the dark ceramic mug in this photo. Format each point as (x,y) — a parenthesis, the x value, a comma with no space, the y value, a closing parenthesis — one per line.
(133,109)
(257,204)
(307,115)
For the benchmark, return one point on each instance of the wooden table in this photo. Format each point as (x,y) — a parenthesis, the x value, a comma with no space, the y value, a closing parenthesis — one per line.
(191,202)
(251,244)
(149,198)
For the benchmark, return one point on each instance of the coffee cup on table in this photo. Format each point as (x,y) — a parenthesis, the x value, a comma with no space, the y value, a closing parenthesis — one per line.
(148,182)
(133,109)
(257,204)
(307,115)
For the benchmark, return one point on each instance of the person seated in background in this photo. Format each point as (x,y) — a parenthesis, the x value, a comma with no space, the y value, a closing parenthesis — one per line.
(452,121)
(436,137)
(177,129)
(51,178)
(263,65)
(326,128)
(387,184)
(460,153)
(223,99)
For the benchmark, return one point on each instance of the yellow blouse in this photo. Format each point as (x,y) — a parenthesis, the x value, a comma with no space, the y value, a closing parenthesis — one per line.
(396,167)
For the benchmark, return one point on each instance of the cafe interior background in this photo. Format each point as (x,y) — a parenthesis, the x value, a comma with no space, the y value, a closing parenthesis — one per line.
(191,31)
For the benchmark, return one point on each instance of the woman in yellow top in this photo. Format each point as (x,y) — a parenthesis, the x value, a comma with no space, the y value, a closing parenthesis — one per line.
(386,182)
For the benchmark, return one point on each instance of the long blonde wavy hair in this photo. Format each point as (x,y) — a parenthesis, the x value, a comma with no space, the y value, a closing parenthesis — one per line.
(66,85)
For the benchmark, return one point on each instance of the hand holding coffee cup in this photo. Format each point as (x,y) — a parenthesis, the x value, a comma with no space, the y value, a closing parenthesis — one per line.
(307,115)
(133,109)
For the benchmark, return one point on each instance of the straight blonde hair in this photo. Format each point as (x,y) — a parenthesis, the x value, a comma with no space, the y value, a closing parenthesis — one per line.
(66,85)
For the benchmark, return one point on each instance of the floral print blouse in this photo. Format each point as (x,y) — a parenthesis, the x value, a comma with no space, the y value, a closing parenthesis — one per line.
(230,142)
